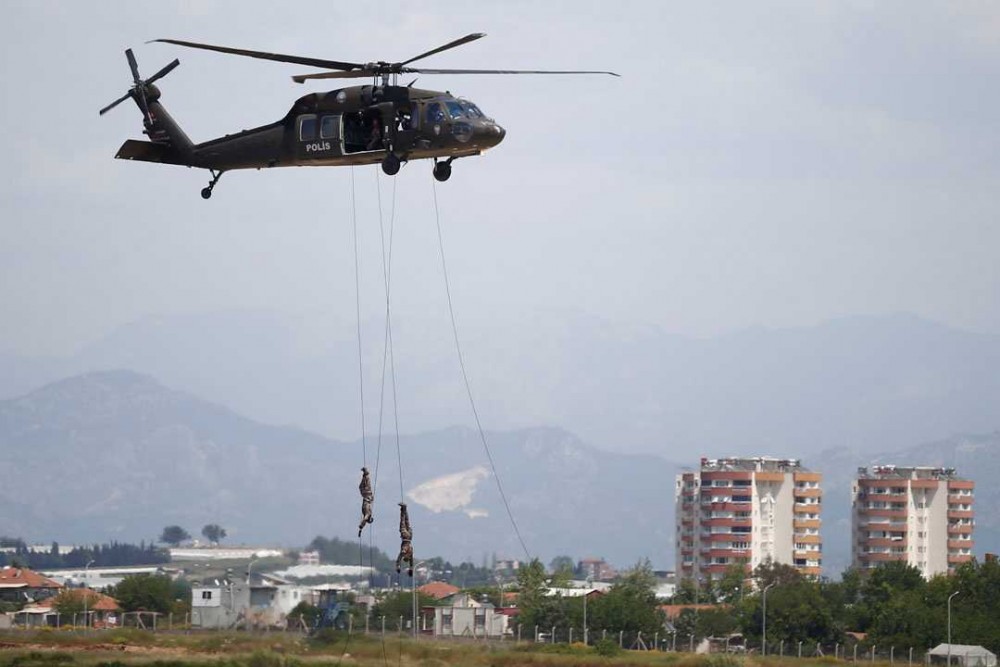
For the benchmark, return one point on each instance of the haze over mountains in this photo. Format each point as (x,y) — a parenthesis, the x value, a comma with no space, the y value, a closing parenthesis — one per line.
(125,455)
(868,383)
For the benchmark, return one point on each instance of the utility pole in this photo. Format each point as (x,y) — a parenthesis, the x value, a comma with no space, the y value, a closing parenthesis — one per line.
(763,643)
(949,625)
(86,571)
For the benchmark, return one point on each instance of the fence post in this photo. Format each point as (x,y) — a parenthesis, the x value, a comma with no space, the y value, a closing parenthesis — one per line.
(781,649)
(855,652)
(892,655)
(656,640)
(571,634)
(518,633)
(800,649)
(604,634)
(691,643)
(836,651)
(553,634)
(536,634)
(873,652)
(383,627)
(910,660)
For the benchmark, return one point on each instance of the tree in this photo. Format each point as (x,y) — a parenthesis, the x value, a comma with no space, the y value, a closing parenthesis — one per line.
(214,533)
(145,592)
(174,535)
(630,605)
(69,602)
(399,604)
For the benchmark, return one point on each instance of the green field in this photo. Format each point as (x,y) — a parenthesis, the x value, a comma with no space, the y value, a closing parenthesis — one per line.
(128,647)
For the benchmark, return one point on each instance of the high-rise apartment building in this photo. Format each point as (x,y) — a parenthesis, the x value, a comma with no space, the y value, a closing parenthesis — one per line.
(919,515)
(747,511)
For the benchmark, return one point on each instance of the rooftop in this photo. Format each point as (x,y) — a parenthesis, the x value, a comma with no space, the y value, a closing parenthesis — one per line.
(21,577)
(907,472)
(751,464)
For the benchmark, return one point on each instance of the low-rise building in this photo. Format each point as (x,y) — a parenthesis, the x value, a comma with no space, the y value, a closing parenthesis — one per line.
(19,584)
(461,615)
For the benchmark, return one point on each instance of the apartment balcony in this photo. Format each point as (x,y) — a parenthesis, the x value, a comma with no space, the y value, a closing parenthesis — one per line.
(960,514)
(727,523)
(959,500)
(961,484)
(960,530)
(883,542)
(810,570)
(808,539)
(807,508)
(885,497)
(961,544)
(958,559)
(891,513)
(881,557)
(806,523)
(808,493)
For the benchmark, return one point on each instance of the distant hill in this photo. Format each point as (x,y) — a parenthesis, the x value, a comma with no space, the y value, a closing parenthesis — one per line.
(874,383)
(116,455)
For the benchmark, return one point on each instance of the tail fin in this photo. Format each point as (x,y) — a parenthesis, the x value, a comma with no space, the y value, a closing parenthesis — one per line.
(157,123)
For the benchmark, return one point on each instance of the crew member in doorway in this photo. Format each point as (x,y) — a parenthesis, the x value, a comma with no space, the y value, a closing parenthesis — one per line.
(375,138)
(367,498)
(405,536)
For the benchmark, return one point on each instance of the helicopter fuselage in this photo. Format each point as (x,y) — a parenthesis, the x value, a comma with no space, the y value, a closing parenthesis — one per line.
(349,126)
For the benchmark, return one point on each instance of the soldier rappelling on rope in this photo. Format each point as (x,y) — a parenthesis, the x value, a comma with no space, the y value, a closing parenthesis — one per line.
(367,498)
(405,536)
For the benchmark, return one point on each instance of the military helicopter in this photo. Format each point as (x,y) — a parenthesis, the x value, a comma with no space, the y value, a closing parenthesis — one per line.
(378,123)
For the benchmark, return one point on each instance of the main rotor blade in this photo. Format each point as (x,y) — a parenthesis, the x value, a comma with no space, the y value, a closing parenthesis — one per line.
(133,65)
(163,72)
(450,45)
(421,70)
(115,103)
(353,74)
(277,57)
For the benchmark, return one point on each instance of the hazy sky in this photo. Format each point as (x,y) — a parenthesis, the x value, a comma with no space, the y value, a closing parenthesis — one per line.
(757,164)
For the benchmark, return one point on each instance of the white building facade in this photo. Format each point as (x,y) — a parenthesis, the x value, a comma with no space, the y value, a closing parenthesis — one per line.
(920,515)
(747,511)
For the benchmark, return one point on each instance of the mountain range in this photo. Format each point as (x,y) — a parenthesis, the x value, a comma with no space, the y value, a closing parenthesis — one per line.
(872,383)
(117,455)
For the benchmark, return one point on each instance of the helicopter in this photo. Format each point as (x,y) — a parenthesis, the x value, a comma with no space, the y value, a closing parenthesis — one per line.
(382,122)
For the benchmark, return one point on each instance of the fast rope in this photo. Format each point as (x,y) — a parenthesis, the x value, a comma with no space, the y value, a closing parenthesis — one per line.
(465,377)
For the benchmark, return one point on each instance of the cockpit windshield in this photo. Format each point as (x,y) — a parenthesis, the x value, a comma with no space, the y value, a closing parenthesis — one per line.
(455,110)
(471,110)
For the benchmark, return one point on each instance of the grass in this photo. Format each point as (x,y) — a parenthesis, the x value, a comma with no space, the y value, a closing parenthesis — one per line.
(133,648)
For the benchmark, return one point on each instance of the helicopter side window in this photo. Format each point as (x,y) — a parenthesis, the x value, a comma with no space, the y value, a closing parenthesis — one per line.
(328,127)
(435,114)
(307,128)
(455,110)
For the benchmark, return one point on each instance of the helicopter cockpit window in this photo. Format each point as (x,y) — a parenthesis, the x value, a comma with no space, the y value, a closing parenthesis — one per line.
(455,110)
(472,111)
(328,127)
(307,128)
(435,114)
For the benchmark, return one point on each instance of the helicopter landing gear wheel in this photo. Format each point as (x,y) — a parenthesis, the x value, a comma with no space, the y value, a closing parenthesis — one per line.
(390,165)
(206,192)
(442,171)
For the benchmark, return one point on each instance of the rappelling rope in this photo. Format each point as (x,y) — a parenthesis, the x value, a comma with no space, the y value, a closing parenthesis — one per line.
(465,377)
(357,307)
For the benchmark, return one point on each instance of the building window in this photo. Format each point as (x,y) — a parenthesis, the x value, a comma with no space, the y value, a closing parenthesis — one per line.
(206,595)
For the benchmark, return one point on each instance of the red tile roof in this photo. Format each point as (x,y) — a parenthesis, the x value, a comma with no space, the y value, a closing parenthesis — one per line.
(438,589)
(21,577)
(95,601)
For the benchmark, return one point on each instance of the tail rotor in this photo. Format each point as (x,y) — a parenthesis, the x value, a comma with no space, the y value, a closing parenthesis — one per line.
(140,87)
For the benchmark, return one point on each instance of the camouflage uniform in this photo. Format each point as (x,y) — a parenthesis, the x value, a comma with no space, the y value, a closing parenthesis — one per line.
(405,536)
(367,498)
